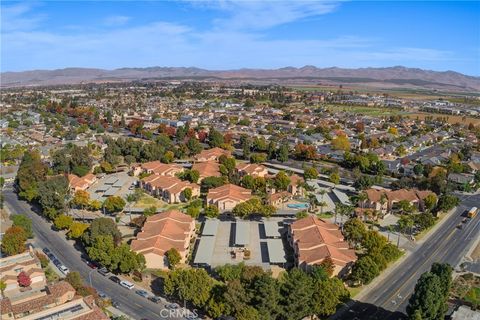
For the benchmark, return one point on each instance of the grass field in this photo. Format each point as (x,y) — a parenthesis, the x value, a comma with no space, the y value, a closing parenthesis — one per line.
(147,201)
(473,296)
(450,118)
(368,111)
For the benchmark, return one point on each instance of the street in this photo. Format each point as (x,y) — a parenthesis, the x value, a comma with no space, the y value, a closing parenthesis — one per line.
(389,298)
(132,304)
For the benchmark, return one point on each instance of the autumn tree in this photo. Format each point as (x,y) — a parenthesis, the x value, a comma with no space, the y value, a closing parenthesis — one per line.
(23,279)
(13,241)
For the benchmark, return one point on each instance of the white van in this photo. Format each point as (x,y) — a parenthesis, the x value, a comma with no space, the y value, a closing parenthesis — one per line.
(127,284)
(64,269)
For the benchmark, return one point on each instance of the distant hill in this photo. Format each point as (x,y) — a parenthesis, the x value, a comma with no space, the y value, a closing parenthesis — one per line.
(392,77)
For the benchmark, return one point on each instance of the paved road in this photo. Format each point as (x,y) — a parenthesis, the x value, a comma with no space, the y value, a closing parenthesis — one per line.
(388,300)
(130,303)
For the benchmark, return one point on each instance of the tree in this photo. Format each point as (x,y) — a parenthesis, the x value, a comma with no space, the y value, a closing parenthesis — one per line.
(364,270)
(102,227)
(211,211)
(193,211)
(212,182)
(327,295)
(77,229)
(101,249)
(114,204)
(52,195)
(427,301)
(13,241)
(354,230)
(281,181)
(193,285)
(334,178)
(24,222)
(23,279)
(30,173)
(310,173)
(3,286)
(194,146)
(81,198)
(328,265)
(297,290)
(393,130)
(447,202)
(267,298)
(74,279)
(341,143)
(283,153)
(125,260)
(63,222)
(187,194)
(173,258)
(150,211)
(215,138)
(430,201)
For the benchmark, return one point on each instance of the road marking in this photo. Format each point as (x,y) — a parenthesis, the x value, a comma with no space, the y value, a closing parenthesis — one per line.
(417,270)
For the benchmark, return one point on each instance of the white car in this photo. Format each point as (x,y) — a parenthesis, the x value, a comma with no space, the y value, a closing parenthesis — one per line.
(63,269)
(127,284)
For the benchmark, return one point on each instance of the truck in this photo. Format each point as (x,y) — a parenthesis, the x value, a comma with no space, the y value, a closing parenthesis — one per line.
(472,212)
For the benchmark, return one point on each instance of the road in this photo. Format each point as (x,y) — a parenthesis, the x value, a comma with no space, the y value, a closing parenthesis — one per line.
(389,298)
(130,303)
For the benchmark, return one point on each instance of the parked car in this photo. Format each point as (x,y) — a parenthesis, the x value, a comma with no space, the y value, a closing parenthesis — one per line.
(103,271)
(56,262)
(155,299)
(127,284)
(64,269)
(51,256)
(46,251)
(172,306)
(142,293)
(90,263)
(115,279)
(103,296)
(115,304)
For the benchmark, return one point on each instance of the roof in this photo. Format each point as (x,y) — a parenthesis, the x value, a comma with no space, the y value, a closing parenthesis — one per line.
(276,251)
(317,239)
(229,191)
(341,196)
(160,168)
(251,168)
(271,229)
(163,231)
(205,250)
(207,169)
(242,233)
(212,153)
(210,227)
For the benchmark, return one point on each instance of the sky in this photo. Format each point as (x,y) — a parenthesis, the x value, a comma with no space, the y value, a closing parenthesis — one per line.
(222,35)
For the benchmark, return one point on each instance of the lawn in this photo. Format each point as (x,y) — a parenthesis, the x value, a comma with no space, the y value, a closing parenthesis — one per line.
(354,291)
(147,201)
(473,296)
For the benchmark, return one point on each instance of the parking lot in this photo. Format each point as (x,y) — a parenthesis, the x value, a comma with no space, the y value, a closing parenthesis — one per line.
(116,184)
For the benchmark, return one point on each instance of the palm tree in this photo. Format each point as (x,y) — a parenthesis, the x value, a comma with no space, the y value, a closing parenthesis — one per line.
(322,204)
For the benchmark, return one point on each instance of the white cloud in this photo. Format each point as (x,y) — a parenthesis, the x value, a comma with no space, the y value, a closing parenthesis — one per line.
(18,17)
(114,21)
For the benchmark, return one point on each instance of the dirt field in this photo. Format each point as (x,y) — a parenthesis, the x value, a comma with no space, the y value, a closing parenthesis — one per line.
(451,119)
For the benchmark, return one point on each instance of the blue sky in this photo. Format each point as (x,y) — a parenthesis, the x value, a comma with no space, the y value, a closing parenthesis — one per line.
(240,34)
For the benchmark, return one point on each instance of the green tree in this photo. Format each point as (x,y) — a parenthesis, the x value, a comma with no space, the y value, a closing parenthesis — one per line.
(77,229)
(211,211)
(24,222)
(114,204)
(193,211)
(310,173)
(334,178)
(327,295)
(74,279)
(427,301)
(187,194)
(13,241)
(30,173)
(102,227)
(63,221)
(364,270)
(3,286)
(101,249)
(52,195)
(355,231)
(266,297)
(192,285)
(81,198)
(283,153)
(173,258)
(297,290)
(150,211)
(281,181)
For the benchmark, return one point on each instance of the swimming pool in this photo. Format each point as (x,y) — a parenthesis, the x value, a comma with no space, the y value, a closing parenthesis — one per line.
(298,205)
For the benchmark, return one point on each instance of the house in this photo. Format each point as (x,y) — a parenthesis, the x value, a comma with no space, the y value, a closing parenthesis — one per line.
(77,183)
(277,199)
(313,240)
(39,300)
(228,196)
(384,201)
(211,154)
(207,169)
(169,189)
(252,169)
(162,232)
(157,168)
(461,179)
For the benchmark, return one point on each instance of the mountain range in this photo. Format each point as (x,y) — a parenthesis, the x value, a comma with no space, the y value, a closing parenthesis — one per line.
(390,77)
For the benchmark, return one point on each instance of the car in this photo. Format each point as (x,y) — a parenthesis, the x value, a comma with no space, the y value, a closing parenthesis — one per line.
(115,304)
(172,306)
(64,269)
(46,251)
(142,293)
(155,299)
(191,316)
(103,296)
(51,256)
(90,263)
(465,220)
(103,271)
(127,284)
(460,226)
(115,279)
(57,262)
